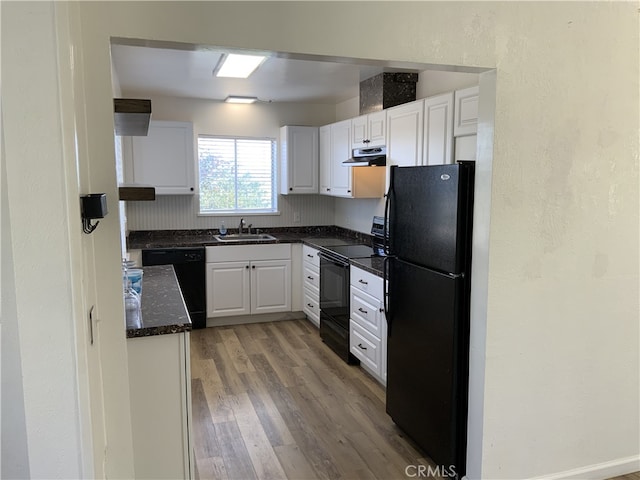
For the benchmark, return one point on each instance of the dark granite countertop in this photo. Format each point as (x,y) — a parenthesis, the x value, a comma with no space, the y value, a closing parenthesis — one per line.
(323,236)
(163,308)
(369,264)
(317,237)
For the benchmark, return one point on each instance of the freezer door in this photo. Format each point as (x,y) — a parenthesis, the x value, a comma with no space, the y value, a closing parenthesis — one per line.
(430,214)
(427,360)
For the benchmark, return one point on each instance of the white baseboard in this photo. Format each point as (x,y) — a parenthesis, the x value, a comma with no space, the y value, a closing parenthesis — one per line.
(598,471)
(261,318)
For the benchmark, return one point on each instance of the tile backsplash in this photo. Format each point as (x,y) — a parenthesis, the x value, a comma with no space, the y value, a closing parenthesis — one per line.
(180,212)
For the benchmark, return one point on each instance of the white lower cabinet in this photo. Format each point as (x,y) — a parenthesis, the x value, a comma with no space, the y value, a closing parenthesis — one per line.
(228,289)
(311,284)
(368,326)
(160,399)
(248,279)
(270,286)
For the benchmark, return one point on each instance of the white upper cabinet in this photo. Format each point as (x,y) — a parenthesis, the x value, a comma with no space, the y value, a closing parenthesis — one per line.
(163,159)
(299,160)
(340,151)
(466,112)
(339,180)
(325,160)
(369,130)
(438,129)
(405,129)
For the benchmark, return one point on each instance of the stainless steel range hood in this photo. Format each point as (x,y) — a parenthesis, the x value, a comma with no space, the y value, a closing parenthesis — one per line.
(367,157)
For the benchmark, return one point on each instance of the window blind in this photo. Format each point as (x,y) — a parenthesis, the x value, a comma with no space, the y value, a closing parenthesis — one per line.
(236,174)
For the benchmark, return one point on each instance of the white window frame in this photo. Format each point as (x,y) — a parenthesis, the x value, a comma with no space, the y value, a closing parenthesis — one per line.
(274,184)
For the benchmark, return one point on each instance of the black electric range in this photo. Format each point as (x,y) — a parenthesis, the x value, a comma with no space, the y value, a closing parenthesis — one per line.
(335,296)
(345,252)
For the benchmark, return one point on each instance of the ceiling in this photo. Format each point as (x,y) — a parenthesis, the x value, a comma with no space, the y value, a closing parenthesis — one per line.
(149,71)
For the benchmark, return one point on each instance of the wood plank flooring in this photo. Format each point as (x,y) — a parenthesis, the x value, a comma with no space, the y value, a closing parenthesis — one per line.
(271,401)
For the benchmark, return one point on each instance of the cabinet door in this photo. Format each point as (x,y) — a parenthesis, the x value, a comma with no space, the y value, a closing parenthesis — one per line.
(377,128)
(340,151)
(405,126)
(299,159)
(160,405)
(359,131)
(164,158)
(438,130)
(270,286)
(228,290)
(466,112)
(325,160)
(369,130)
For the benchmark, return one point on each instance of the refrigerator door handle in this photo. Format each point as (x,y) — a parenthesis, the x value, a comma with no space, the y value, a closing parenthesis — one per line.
(385,226)
(385,293)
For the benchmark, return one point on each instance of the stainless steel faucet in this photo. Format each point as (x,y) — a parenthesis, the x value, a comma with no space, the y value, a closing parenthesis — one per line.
(241,226)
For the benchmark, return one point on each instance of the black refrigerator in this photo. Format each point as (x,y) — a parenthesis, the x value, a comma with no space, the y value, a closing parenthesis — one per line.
(429,213)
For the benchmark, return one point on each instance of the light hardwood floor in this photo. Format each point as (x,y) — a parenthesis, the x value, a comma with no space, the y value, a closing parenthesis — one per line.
(271,401)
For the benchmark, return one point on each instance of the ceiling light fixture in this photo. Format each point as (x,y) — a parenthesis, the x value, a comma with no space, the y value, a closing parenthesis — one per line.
(238,99)
(239,66)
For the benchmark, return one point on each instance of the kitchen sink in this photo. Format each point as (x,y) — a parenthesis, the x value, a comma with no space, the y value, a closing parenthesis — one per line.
(244,237)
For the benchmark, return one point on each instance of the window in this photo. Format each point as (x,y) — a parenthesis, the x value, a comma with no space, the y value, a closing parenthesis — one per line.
(237,175)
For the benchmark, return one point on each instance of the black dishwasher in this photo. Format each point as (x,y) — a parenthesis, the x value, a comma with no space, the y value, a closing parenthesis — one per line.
(189,264)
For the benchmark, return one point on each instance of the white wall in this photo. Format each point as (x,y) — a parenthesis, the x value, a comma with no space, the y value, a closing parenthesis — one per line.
(218,118)
(42,332)
(434,82)
(15,453)
(563,242)
(561,376)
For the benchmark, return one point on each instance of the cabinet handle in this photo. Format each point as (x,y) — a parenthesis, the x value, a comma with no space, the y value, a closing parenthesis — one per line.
(361,347)
(381,309)
(309,277)
(328,189)
(363,282)
(253,266)
(362,310)
(348,191)
(309,305)
(309,255)
(246,266)
(291,189)
(191,189)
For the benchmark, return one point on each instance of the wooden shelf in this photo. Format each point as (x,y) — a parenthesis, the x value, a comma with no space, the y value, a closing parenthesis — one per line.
(131,116)
(137,193)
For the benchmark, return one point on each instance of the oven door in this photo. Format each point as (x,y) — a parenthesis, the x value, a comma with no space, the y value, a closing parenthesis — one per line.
(334,306)
(334,289)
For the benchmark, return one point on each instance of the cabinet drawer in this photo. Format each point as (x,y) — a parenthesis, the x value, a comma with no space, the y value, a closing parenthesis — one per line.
(311,306)
(310,255)
(365,347)
(311,277)
(365,310)
(367,282)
